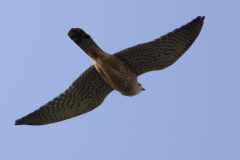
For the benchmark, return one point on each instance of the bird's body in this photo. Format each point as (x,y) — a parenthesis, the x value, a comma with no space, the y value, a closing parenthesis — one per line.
(113,72)
(112,69)
(118,75)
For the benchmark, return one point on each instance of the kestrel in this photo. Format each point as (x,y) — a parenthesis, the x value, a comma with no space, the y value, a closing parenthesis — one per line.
(113,72)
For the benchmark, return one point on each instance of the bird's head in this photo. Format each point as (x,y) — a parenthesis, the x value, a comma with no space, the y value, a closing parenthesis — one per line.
(138,89)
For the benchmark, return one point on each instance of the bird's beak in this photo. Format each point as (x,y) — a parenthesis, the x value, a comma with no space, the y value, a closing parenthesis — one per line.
(143,89)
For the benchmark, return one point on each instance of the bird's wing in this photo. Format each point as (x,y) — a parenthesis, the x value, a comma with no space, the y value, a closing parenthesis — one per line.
(86,93)
(162,52)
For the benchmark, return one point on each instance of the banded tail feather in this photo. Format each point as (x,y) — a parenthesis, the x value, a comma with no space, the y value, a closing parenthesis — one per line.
(86,43)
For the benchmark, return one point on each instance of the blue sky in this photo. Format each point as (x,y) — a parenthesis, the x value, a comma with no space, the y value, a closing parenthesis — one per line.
(189,110)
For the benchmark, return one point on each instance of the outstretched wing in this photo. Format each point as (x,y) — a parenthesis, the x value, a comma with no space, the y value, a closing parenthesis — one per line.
(86,93)
(162,52)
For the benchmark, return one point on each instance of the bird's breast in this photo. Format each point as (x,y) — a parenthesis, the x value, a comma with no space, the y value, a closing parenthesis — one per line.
(117,74)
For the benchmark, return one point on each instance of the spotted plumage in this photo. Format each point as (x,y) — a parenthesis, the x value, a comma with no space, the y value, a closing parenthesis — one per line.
(108,72)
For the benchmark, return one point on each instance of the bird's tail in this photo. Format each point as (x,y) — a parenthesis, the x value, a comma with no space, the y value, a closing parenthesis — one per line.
(86,43)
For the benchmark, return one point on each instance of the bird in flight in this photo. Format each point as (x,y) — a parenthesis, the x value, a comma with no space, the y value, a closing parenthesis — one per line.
(118,71)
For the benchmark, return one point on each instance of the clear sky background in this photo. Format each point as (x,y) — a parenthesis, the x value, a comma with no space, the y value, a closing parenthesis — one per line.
(189,111)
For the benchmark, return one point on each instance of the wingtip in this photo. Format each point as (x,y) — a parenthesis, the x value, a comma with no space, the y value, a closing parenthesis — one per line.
(196,24)
(201,18)
(19,122)
(22,122)
(25,121)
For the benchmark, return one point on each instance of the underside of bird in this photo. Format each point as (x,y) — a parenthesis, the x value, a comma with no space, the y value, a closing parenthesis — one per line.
(113,72)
